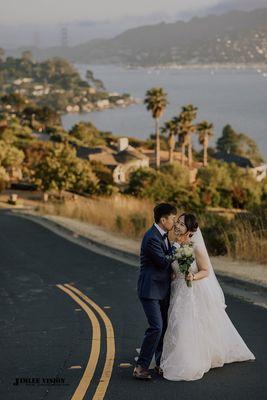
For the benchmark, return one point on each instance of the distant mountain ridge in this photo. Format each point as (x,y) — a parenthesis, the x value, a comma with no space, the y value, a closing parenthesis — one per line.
(234,37)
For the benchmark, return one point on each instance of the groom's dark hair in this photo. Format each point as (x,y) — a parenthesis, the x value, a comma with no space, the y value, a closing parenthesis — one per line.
(164,210)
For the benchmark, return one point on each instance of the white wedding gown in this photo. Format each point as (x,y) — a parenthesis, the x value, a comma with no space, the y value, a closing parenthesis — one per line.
(199,335)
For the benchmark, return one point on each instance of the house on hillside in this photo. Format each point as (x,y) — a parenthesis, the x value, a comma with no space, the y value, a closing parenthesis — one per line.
(121,160)
(258,171)
(177,158)
(124,158)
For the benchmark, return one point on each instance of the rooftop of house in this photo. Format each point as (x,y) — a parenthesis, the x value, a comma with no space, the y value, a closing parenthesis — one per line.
(105,158)
(111,155)
(124,153)
(130,154)
(84,152)
(242,162)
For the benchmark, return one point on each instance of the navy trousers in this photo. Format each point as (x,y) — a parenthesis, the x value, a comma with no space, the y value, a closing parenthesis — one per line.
(157,314)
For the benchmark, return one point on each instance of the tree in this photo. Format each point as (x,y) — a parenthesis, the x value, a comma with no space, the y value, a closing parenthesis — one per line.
(3,122)
(205,132)
(182,135)
(4,178)
(170,184)
(105,177)
(41,117)
(178,173)
(239,144)
(245,193)
(89,75)
(87,134)
(213,181)
(139,180)
(97,83)
(58,101)
(170,128)
(85,179)
(156,102)
(60,169)
(186,118)
(247,147)
(15,100)
(228,142)
(10,156)
(227,185)
(16,133)
(35,154)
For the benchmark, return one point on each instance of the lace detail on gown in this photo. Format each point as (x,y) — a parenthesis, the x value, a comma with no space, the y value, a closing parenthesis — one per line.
(199,335)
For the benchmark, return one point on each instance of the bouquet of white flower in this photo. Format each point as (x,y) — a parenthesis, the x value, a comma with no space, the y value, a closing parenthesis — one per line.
(185,256)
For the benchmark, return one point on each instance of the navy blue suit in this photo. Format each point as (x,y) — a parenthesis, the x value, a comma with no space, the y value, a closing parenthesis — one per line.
(154,293)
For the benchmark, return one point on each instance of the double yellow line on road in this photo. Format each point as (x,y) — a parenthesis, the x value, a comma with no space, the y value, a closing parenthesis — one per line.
(83,300)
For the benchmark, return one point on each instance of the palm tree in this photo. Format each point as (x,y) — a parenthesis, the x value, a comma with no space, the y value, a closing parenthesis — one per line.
(205,132)
(182,143)
(170,128)
(185,128)
(156,102)
(188,114)
(182,135)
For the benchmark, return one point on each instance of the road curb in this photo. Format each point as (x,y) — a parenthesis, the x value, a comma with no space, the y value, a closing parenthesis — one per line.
(102,248)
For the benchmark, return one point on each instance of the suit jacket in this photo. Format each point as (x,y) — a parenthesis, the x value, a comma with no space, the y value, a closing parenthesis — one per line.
(155,267)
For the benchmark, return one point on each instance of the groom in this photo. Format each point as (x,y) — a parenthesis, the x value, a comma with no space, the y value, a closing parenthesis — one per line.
(154,286)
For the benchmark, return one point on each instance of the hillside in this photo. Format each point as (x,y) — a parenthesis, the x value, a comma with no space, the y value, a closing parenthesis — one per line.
(234,37)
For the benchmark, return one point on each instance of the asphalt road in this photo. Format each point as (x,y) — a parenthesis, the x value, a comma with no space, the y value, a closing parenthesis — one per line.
(44,331)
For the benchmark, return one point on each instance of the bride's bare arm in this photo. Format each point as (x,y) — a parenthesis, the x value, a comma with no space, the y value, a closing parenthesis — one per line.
(202,264)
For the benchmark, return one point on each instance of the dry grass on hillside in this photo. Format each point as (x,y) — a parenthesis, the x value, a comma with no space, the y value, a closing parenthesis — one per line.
(131,217)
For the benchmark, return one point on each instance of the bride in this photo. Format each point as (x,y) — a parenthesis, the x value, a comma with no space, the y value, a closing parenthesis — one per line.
(199,335)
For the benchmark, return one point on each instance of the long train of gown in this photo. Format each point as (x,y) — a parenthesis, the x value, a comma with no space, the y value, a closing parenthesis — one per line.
(199,335)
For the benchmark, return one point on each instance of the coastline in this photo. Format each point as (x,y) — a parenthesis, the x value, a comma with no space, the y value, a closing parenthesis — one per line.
(111,106)
(218,66)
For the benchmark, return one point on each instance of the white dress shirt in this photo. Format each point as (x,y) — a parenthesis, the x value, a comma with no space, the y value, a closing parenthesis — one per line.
(166,240)
(162,233)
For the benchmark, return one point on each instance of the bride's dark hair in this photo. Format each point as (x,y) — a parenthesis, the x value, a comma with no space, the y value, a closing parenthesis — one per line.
(190,222)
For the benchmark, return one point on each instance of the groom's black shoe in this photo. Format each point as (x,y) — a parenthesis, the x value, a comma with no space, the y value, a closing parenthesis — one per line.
(158,370)
(141,373)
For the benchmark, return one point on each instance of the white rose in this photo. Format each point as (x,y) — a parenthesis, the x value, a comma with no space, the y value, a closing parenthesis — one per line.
(188,252)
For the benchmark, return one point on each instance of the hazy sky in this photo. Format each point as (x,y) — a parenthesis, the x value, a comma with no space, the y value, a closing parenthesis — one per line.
(20,11)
